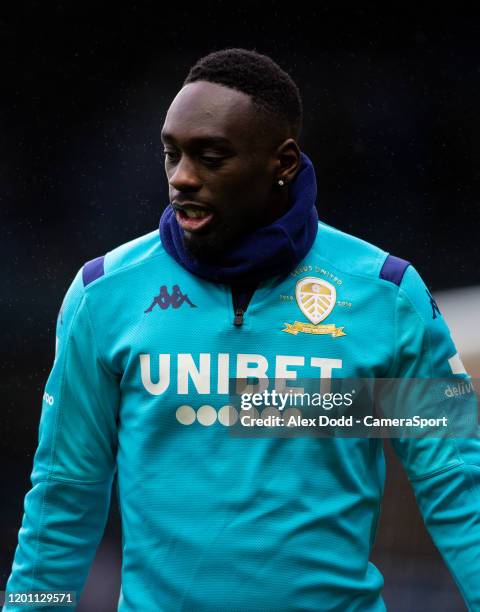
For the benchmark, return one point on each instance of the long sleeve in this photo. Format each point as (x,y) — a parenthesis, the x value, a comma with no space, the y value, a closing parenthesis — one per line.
(444,472)
(66,509)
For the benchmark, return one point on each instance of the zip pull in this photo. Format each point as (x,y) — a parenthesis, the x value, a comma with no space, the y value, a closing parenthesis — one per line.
(238,320)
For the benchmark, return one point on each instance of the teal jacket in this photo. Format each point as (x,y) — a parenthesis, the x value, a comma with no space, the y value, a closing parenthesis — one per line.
(210,521)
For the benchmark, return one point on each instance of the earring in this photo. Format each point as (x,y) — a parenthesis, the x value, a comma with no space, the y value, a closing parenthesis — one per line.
(281,182)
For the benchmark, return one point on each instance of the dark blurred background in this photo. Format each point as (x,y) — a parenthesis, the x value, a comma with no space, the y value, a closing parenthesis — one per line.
(391,123)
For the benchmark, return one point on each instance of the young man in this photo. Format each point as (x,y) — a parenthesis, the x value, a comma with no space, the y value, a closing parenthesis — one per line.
(235,284)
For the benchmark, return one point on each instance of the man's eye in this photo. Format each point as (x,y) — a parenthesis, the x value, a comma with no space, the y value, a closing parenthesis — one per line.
(212,160)
(168,154)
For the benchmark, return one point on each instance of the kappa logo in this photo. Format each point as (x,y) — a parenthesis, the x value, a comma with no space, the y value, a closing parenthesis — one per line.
(434,305)
(316,299)
(175,300)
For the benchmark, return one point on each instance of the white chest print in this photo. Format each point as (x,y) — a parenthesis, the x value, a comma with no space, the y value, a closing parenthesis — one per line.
(192,375)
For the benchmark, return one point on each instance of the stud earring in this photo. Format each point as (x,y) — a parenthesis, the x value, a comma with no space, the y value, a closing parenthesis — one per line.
(281,182)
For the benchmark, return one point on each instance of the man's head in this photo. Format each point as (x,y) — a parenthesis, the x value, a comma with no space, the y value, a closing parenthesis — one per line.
(229,135)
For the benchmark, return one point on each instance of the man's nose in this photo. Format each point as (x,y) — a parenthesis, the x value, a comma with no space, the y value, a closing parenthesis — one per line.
(184,177)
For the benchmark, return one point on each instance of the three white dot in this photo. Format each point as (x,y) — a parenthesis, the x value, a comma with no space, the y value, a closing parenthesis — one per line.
(227,415)
(207,415)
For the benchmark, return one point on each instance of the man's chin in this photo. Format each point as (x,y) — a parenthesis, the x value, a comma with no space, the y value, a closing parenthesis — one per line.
(210,248)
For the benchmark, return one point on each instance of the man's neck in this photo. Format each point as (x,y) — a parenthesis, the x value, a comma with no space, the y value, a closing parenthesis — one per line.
(278,208)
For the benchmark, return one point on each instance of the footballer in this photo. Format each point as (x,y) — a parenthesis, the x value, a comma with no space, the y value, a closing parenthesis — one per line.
(240,280)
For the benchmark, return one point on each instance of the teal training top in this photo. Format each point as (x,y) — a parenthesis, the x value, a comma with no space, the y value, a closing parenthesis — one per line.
(210,521)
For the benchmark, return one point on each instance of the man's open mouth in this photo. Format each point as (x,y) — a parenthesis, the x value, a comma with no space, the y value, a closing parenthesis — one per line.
(193,218)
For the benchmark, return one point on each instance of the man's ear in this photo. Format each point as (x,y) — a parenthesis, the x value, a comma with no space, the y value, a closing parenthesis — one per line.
(288,156)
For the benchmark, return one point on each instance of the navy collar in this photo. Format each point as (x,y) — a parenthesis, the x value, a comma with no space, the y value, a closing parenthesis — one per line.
(267,251)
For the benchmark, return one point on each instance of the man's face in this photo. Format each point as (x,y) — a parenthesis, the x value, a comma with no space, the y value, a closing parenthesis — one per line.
(220,166)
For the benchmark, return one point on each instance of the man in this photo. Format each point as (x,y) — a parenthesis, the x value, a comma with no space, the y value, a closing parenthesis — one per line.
(140,383)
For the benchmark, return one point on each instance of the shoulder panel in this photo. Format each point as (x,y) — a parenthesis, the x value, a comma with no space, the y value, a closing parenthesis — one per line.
(93,269)
(393,269)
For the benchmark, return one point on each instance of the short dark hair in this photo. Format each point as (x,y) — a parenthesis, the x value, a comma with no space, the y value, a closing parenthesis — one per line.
(272,90)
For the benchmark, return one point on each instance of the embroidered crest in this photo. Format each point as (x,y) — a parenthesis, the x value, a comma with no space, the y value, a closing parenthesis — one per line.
(316,299)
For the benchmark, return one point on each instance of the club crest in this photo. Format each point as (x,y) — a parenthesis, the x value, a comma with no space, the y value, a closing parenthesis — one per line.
(315,298)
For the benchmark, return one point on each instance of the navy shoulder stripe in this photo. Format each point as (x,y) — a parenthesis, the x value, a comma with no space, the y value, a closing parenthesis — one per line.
(393,269)
(92,270)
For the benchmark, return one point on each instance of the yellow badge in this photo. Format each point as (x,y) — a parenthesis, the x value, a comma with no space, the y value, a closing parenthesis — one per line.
(316,299)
